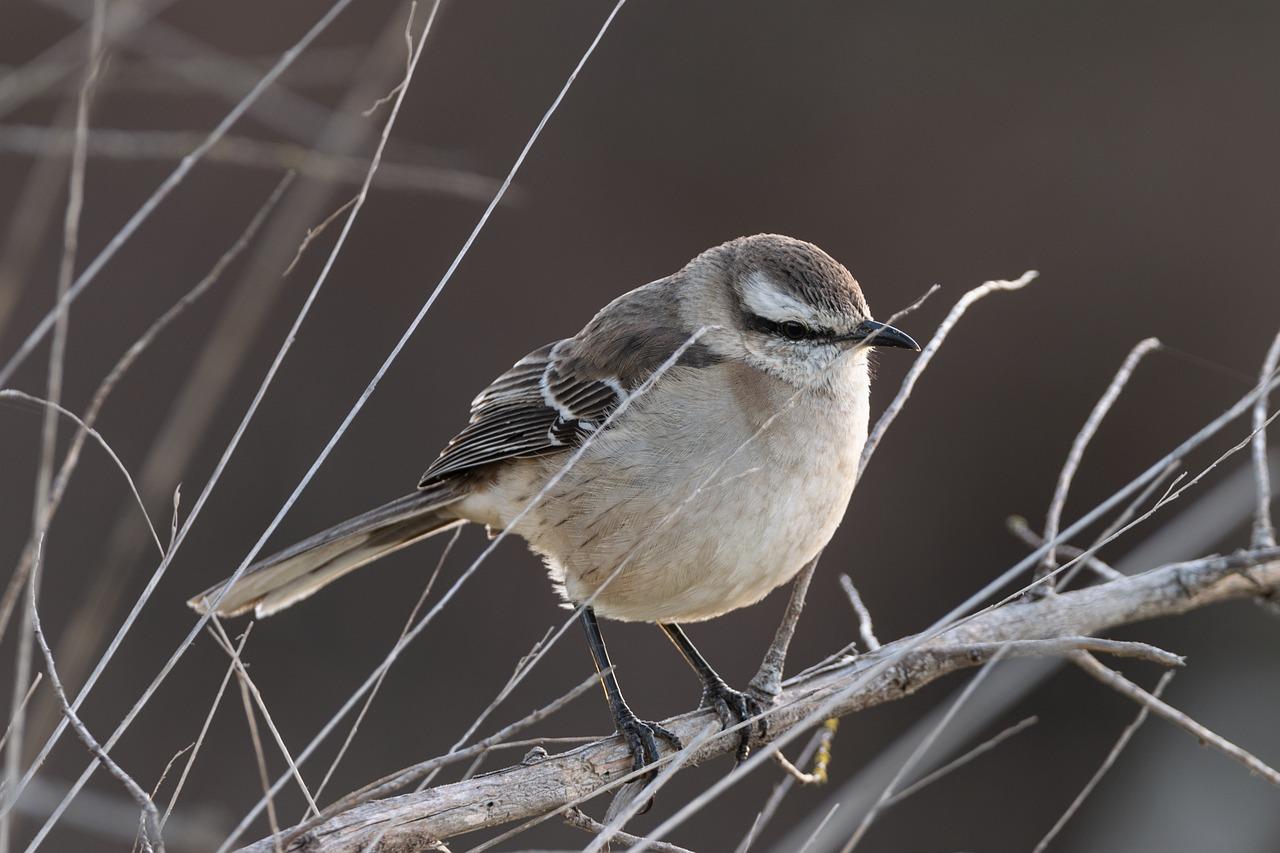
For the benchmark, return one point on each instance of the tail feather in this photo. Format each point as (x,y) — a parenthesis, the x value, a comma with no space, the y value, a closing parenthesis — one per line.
(272,584)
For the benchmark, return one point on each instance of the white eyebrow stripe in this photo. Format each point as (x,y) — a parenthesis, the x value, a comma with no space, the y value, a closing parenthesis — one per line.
(765,299)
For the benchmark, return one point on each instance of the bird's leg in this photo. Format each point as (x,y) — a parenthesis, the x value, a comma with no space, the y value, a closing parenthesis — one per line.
(641,736)
(731,706)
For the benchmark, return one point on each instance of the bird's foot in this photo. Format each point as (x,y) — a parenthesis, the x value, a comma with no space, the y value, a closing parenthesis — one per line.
(733,707)
(642,738)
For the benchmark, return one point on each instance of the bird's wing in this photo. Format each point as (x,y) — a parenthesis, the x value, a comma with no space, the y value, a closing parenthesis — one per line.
(556,396)
(545,403)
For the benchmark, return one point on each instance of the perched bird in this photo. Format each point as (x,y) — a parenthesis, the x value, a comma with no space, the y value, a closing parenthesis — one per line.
(715,485)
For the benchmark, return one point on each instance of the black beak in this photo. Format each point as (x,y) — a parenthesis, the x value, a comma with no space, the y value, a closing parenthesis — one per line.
(874,334)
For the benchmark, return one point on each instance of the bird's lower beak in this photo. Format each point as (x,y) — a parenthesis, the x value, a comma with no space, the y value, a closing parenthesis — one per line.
(873,334)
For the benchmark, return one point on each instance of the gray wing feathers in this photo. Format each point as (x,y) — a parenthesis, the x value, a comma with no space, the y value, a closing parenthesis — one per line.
(557,395)
(291,575)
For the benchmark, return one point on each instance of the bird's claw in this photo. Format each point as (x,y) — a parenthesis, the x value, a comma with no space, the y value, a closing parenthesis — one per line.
(734,707)
(642,739)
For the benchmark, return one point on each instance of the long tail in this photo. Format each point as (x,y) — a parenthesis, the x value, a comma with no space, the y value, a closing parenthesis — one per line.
(282,579)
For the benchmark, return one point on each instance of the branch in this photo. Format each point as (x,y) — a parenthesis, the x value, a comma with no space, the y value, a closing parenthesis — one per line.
(1209,738)
(523,792)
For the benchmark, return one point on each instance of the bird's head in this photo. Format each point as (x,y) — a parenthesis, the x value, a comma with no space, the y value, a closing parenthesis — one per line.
(783,306)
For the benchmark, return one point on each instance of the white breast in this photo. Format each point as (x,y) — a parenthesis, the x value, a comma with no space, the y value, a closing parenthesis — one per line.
(707,494)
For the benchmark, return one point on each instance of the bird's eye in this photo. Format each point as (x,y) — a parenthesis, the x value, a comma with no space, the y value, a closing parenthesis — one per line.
(793,330)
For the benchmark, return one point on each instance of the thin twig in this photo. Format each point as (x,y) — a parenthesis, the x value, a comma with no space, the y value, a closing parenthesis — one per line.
(1206,736)
(780,790)
(154,839)
(167,186)
(1120,744)
(918,753)
(818,776)
(108,385)
(53,391)
(204,727)
(261,758)
(1053,520)
(926,355)
(817,830)
(865,629)
(579,819)
(315,232)
(248,153)
(951,766)
(1018,526)
(220,636)
(373,692)
(35,682)
(1264,532)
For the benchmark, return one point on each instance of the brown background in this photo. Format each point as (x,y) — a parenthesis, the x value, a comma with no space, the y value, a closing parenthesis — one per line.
(1128,151)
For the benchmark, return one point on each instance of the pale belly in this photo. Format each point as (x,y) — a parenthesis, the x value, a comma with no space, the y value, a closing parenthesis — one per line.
(685,519)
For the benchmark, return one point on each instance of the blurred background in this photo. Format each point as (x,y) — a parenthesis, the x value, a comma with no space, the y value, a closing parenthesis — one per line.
(1127,151)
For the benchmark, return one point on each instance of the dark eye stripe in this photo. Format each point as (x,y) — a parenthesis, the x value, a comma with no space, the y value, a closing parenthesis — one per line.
(786,329)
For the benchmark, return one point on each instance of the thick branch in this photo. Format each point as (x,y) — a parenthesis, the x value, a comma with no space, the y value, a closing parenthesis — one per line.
(519,793)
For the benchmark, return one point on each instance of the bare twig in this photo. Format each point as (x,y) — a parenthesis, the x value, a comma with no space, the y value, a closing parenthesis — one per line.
(1053,520)
(1018,526)
(53,391)
(579,819)
(245,152)
(529,791)
(865,628)
(153,840)
(261,758)
(162,191)
(921,748)
(315,232)
(1120,744)
(951,766)
(204,728)
(373,692)
(220,636)
(35,682)
(1206,736)
(108,385)
(926,355)
(1264,532)
(818,776)
(783,787)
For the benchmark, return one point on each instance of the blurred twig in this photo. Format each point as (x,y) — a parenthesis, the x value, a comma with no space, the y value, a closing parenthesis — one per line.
(317,163)
(1121,743)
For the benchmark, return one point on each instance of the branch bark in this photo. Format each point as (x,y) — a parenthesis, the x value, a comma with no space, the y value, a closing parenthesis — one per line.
(415,821)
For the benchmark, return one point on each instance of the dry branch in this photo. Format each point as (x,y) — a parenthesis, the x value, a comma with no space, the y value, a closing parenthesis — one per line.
(522,792)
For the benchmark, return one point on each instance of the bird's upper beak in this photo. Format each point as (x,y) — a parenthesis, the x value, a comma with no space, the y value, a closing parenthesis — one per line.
(875,334)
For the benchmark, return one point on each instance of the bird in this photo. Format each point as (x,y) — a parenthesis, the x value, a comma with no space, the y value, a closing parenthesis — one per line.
(688,451)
